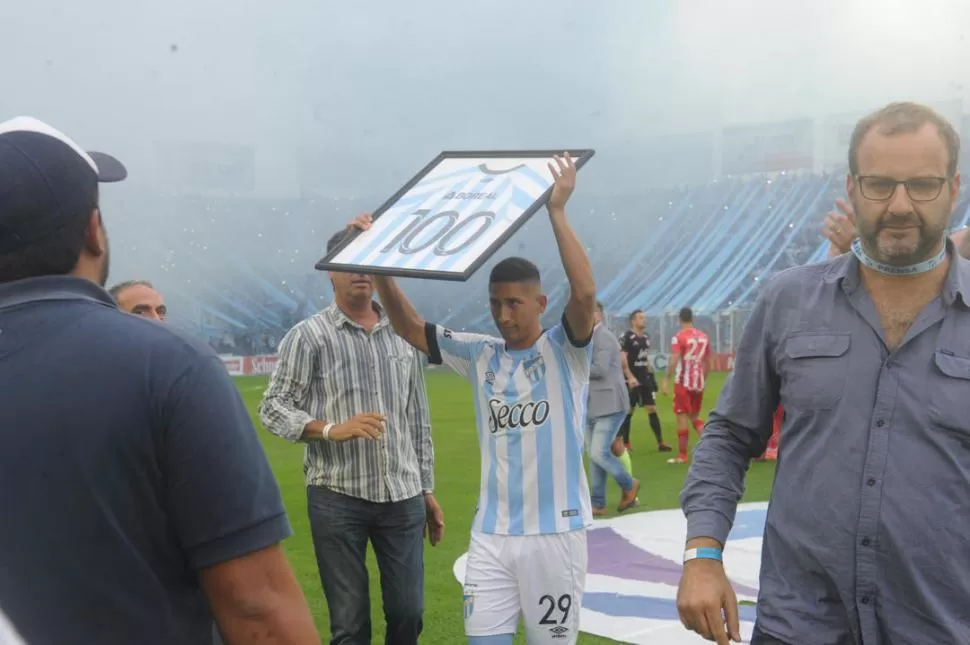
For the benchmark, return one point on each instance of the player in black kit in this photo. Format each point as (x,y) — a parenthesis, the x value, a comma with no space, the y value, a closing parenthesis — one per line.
(635,344)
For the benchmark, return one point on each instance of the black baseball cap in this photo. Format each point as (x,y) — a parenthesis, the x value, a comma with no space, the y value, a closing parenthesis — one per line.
(44,178)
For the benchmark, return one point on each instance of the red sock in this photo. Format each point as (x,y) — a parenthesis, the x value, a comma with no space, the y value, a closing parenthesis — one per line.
(682,437)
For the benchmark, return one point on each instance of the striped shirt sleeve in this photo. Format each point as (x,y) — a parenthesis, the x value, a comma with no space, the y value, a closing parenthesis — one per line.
(282,410)
(419,418)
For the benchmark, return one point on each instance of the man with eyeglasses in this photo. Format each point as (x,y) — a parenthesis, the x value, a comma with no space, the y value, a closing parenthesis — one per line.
(869,353)
(839,229)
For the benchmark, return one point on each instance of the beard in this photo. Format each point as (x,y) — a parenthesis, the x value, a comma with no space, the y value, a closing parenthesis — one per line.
(105,268)
(106,258)
(900,239)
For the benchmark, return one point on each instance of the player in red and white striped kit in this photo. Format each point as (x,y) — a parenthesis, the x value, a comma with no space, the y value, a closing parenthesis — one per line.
(690,362)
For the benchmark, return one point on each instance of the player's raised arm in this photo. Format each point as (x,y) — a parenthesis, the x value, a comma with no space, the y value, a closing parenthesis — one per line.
(406,321)
(581,307)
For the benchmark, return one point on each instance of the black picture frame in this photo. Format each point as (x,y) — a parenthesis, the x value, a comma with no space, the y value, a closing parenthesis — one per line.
(580,157)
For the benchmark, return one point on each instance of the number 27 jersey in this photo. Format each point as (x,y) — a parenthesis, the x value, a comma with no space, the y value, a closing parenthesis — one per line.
(530,411)
(694,347)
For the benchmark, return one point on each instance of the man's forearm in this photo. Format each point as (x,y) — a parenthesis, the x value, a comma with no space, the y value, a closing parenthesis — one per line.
(575,260)
(672,366)
(625,366)
(405,320)
(715,481)
(256,600)
(289,623)
(313,431)
(282,419)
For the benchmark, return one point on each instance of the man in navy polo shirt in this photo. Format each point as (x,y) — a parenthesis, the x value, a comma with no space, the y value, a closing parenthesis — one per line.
(136,503)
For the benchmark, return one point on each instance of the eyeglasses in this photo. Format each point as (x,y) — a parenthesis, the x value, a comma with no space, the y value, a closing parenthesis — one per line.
(882,189)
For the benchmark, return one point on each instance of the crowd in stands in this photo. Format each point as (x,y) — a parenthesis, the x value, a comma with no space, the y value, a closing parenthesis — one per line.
(240,271)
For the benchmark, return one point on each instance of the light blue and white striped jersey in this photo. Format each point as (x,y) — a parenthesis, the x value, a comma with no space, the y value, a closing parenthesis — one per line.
(530,409)
(474,203)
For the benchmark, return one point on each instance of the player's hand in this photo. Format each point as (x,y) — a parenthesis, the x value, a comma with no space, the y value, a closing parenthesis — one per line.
(632,382)
(362,222)
(564,173)
(706,602)
(665,388)
(369,425)
(839,226)
(434,528)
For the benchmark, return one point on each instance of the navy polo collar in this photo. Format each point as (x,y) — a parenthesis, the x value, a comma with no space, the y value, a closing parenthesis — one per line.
(48,288)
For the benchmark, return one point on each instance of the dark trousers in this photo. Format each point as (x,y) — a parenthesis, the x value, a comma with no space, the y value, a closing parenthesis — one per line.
(341,527)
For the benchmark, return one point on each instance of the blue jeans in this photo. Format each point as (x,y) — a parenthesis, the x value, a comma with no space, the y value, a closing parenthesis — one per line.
(599,439)
(341,527)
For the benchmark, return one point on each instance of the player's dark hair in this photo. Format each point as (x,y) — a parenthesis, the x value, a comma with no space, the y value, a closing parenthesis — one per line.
(337,239)
(514,270)
(634,313)
(686,315)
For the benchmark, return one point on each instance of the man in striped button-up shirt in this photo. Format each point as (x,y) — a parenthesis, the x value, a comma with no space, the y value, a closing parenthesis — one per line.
(353,391)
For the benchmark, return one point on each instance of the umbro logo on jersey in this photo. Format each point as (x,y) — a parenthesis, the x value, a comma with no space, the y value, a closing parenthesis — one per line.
(559,632)
(502,416)
(490,377)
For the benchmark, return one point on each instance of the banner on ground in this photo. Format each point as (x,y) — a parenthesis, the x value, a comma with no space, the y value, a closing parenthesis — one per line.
(635,562)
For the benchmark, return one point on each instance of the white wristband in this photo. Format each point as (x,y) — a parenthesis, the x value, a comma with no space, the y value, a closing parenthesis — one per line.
(326,431)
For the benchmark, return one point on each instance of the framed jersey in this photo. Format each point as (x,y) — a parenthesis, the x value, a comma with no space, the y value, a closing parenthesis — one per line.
(451,216)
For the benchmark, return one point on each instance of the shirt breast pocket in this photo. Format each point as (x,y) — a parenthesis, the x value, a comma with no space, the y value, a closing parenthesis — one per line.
(950,394)
(400,369)
(814,371)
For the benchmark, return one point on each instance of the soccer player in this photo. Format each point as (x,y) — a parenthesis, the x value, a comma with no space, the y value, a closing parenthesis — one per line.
(640,378)
(528,546)
(690,362)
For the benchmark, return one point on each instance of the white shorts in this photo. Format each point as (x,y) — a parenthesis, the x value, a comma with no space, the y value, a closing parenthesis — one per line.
(538,577)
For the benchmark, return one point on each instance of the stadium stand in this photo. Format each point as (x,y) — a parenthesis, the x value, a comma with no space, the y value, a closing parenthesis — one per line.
(240,271)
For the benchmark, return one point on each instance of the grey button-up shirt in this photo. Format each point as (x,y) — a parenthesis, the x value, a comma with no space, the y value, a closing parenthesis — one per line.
(867,538)
(330,368)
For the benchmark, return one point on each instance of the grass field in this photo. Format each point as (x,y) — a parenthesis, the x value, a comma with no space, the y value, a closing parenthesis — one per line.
(457,490)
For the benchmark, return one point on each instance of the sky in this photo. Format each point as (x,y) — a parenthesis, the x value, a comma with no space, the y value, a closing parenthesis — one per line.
(350,89)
